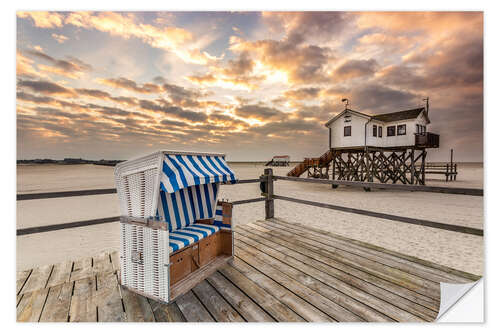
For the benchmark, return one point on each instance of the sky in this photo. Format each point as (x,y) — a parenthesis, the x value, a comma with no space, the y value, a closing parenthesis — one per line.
(115,85)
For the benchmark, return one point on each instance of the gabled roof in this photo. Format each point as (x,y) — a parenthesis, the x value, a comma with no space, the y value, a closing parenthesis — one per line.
(344,112)
(385,117)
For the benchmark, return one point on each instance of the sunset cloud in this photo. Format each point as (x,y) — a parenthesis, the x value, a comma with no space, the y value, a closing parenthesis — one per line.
(72,67)
(236,81)
(43,19)
(59,38)
(127,84)
(300,63)
(355,68)
(45,87)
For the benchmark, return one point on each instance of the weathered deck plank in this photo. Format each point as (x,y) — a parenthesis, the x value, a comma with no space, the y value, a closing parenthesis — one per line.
(192,309)
(31,305)
(37,279)
(82,269)
(278,310)
(308,294)
(296,303)
(345,271)
(58,303)
(280,272)
(409,281)
(83,307)
(347,282)
(218,307)
(242,303)
(403,264)
(454,273)
(21,278)
(108,298)
(60,274)
(137,307)
(166,313)
(363,304)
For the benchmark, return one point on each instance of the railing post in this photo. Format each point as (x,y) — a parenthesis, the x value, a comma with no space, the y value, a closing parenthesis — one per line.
(269,193)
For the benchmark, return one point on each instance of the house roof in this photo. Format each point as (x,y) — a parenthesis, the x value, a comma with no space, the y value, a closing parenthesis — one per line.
(343,112)
(400,115)
(385,117)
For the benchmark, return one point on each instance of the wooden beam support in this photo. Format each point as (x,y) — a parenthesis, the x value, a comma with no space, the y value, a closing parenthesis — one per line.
(269,193)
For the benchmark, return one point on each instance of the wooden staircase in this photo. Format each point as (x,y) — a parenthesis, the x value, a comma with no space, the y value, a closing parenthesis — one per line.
(320,162)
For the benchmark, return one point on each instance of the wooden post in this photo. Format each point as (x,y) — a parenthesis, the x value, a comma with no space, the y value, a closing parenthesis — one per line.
(269,193)
(423,166)
(447,172)
(412,161)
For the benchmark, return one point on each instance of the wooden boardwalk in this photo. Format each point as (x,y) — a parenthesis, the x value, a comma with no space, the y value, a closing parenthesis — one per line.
(281,272)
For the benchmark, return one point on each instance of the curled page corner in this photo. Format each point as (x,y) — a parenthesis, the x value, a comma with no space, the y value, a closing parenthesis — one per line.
(451,293)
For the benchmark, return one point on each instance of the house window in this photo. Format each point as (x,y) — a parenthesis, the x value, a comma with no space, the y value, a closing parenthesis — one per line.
(418,129)
(424,129)
(391,130)
(380,131)
(347,130)
(375,130)
(402,129)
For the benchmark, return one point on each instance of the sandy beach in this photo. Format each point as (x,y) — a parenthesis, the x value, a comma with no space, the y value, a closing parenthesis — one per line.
(464,252)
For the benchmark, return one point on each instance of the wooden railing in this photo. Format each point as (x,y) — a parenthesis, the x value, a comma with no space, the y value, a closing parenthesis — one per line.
(267,181)
(427,140)
(322,161)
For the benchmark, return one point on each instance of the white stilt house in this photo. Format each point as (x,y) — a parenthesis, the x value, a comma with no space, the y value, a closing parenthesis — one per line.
(397,129)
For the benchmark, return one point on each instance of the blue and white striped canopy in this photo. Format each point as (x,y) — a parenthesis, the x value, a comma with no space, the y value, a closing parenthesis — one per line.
(183,170)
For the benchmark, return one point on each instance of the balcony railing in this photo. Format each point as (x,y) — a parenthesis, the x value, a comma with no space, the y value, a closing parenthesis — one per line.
(427,140)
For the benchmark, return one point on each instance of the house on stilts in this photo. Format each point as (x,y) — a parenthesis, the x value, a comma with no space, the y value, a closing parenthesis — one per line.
(389,147)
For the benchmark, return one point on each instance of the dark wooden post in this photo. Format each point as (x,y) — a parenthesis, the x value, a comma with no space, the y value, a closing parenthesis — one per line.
(412,168)
(269,193)
(423,166)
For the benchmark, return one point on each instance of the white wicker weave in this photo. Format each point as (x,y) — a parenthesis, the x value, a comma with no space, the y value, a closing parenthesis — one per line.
(137,183)
(144,251)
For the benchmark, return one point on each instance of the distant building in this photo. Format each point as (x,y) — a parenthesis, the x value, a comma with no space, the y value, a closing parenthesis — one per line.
(279,160)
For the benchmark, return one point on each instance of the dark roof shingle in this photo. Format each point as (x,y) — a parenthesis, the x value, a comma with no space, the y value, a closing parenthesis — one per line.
(400,115)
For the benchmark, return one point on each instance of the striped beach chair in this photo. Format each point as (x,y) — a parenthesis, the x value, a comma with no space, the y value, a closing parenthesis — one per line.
(168,203)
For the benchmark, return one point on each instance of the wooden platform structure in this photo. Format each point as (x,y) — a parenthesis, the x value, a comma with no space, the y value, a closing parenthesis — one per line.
(405,165)
(281,272)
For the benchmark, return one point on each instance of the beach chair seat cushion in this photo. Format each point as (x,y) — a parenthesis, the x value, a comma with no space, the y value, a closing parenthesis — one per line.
(191,234)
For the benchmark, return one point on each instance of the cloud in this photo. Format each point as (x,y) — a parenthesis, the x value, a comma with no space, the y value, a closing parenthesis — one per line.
(45,87)
(376,98)
(259,112)
(127,84)
(174,111)
(301,26)
(301,64)
(43,19)
(302,93)
(181,95)
(435,23)
(59,38)
(24,67)
(176,40)
(351,69)
(96,93)
(457,63)
(72,68)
